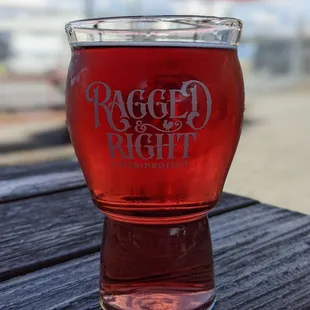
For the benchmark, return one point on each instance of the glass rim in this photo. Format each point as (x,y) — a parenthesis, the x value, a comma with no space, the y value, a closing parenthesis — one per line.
(219,20)
(164,29)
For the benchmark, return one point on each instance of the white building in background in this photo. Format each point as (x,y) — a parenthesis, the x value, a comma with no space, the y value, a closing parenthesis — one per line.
(19,3)
(37,44)
(37,41)
(202,7)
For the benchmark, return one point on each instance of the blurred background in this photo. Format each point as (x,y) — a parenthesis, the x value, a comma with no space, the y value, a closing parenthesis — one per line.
(272,162)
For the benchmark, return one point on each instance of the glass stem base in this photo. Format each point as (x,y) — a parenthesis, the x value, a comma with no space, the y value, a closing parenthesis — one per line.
(159,299)
(157,267)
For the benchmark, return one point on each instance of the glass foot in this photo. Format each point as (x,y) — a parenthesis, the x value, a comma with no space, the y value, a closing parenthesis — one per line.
(143,299)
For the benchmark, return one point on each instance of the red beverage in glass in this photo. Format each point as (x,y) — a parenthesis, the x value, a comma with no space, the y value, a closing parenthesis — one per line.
(155,128)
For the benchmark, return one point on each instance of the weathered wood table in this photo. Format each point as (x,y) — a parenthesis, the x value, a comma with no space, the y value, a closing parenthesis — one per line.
(51,234)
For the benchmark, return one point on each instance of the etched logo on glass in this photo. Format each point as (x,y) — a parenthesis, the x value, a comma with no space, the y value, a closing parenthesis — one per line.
(145,124)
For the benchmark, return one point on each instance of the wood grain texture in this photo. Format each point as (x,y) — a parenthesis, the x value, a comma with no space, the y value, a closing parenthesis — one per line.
(44,230)
(49,287)
(261,258)
(41,184)
(48,229)
(19,171)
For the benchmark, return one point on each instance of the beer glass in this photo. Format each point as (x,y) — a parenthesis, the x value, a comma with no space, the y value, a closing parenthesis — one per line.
(154,108)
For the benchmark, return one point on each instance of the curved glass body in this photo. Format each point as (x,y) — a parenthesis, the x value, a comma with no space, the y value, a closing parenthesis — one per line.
(154,109)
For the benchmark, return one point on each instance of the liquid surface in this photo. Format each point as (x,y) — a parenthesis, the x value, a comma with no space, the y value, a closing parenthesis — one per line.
(155,128)
(152,44)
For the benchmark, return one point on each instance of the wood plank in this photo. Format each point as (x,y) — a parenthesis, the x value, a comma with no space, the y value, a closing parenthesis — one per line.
(19,171)
(42,184)
(261,257)
(18,182)
(82,275)
(48,229)
(44,230)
